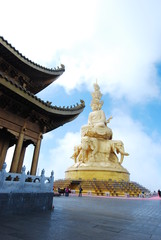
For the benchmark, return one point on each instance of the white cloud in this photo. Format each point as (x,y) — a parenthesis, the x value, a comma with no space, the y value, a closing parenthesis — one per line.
(48,136)
(59,158)
(46,27)
(9,157)
(117,42)
(145,153)
(122,52)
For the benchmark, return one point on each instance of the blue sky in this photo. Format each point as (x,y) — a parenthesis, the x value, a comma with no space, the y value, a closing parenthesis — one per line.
(117,42)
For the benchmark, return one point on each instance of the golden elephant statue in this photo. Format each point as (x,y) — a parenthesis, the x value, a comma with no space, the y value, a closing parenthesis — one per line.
(94,146)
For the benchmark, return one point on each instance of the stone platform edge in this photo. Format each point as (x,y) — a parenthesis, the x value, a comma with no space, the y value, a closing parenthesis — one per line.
(19,203)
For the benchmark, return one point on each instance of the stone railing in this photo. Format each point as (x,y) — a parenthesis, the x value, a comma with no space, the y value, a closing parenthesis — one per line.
(22,182)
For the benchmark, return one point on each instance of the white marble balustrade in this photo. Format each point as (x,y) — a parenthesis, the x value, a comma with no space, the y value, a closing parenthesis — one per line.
(22,182)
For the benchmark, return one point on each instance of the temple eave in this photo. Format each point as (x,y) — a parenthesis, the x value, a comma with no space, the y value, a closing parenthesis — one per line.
(17,100)
(38,76)
(29,99)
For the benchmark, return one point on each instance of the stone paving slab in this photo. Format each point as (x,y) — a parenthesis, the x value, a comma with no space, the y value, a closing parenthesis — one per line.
(84,218)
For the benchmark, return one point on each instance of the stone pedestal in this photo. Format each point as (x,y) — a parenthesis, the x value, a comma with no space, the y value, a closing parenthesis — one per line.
(98,173)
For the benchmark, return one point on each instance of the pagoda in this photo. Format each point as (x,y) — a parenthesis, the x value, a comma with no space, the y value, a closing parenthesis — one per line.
(24,117)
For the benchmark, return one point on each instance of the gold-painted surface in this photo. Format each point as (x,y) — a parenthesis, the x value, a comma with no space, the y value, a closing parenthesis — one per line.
(99,174)
(98,156)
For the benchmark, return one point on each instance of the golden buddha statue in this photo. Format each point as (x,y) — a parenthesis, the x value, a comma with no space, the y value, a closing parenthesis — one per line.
(97,122)
(97,155)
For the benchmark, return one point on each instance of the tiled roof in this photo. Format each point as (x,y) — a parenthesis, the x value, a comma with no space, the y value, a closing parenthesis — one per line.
(17,91)
(59,110)
(23,58)
(38,77)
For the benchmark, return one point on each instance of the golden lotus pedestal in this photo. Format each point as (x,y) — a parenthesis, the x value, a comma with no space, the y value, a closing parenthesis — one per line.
(101,173)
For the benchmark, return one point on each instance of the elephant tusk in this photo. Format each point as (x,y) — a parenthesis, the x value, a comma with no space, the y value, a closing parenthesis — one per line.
(123,153)
(121,158)
(126,154)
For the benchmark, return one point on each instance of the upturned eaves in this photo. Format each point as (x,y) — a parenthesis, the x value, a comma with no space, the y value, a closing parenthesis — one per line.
(39,77)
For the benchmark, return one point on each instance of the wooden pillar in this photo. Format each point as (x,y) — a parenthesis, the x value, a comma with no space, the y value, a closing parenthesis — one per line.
(22,155)
(1,143)
(21,159)
(17,152)
(1,148)
(36,155)
(3,152)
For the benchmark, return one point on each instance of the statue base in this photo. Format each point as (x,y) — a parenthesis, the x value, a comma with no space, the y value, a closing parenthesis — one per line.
(101,173)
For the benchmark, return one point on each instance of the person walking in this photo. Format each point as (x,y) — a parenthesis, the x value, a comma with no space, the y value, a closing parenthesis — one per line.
(67,192)
(80,191)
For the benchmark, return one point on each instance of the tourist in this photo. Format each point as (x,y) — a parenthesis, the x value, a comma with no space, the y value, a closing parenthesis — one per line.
(80,191)
(67,192)
(159,193)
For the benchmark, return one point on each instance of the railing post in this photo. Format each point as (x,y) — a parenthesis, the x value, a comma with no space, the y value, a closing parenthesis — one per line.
(23,176)
(3,175)
(52,181)
(42,179)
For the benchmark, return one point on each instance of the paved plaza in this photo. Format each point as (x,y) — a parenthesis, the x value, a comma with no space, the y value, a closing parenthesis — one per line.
(78,218)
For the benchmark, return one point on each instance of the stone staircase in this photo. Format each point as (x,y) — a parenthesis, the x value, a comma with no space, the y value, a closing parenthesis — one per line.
(103,188)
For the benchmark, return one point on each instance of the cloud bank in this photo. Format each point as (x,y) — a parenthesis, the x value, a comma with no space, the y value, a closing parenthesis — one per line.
(143,162)
(122,52)
(117,42)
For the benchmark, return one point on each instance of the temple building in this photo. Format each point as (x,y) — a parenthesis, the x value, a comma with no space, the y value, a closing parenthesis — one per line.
(24,117)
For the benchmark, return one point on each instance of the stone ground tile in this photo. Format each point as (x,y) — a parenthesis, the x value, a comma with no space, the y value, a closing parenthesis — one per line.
(89,218)
(136,234)
(155,237)
(7,237)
